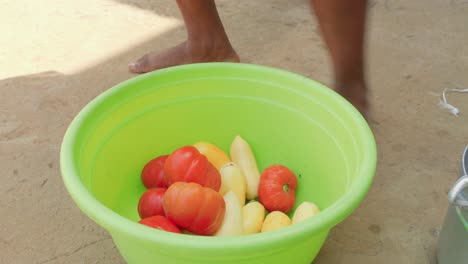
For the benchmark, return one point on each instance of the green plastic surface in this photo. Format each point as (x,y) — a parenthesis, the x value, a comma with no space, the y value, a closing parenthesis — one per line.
(286,118)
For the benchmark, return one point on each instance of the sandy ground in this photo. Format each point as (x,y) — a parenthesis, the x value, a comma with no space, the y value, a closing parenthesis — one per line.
(55,56)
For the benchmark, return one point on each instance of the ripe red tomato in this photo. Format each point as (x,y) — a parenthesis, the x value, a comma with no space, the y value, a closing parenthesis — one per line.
(191,206)
(277,188)
(151,202)
(153,173)
(160,222)
(187,164)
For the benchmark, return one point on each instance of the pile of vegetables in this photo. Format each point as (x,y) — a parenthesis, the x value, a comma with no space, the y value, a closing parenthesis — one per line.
(200,190)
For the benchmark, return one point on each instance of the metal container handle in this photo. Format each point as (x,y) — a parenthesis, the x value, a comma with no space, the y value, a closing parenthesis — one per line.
(455,195)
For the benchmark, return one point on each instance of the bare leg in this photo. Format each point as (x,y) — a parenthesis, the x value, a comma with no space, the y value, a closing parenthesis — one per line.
(206,40)
(342,24)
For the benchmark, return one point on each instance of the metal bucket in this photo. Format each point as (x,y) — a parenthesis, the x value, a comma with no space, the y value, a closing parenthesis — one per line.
(453,241)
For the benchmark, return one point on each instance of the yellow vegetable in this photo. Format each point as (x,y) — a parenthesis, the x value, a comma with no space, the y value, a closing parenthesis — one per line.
(215,155)
(232,179)
(275,220)
(232,223)
(242,155)
(305,210)
(253,215)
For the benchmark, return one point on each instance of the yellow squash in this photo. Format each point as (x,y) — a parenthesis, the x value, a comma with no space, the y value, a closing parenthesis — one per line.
(215,155)
(242,155)
(253,215)
(275,220)
(305,210)
(232,223)
(233,180)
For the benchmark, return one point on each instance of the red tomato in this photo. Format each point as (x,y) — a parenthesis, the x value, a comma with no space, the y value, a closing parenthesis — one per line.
(160,222)
(277,188)
(187,164)
(153,173)
(151,203)
(191,206)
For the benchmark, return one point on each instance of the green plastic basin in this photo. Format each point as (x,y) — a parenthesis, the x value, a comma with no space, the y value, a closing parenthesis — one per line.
(286,118)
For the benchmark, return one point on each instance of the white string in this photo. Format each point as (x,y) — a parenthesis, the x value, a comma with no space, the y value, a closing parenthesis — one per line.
(444,104)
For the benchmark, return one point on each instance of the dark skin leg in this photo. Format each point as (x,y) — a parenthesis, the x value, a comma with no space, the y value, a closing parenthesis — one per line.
(342,24)
(206,40)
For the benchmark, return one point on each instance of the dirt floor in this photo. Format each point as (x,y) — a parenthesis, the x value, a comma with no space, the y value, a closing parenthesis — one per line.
(55,56)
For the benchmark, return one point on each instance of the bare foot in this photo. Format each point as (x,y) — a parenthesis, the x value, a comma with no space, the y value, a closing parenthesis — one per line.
(183,53)
(356,94)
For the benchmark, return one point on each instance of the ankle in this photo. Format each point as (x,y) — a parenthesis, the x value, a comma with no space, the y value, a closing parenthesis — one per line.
(355,89)
(353,84)
(208,47)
